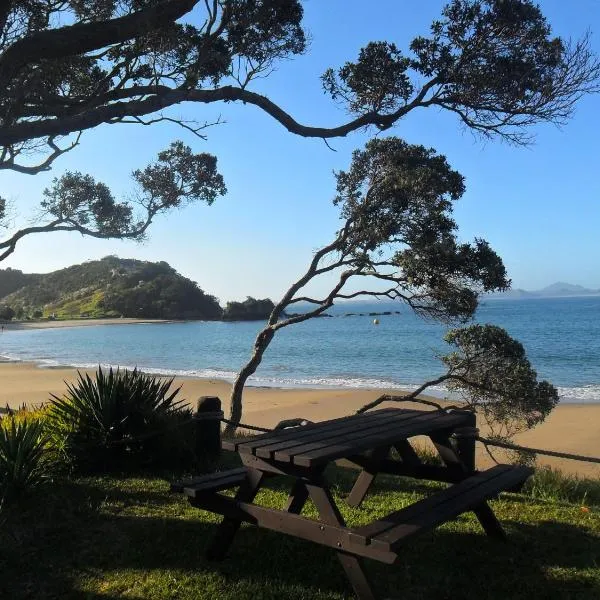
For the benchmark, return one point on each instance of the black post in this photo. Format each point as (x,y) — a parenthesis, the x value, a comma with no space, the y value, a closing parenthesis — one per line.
(208,428)
(463,440)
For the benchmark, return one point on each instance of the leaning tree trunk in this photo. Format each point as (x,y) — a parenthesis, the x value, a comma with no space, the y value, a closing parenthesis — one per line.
(263,339)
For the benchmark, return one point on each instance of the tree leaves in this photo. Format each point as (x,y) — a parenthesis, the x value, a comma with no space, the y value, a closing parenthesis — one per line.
(396,200)
(494,63)
(77,202)
(491,372)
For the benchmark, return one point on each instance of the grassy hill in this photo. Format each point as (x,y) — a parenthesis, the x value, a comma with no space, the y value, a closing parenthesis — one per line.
(110,287)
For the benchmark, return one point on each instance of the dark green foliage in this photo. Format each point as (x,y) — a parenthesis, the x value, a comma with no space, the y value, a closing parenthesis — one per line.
(118,420)
(21,457)
(250,309)
(158,291)
(80,199)
(6,312)
(491,372)
(223,42)
(180,177)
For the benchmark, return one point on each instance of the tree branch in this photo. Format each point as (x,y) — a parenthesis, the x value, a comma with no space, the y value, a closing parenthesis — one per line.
(43,166)
(84,37)
(407,397)
(103,114)
(68,225)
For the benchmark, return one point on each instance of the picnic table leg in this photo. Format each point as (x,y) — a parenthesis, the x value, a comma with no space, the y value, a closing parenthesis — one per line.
(297,498)
(228,527)
(448,454)
(330,514)
(464,441)
(367,476)
(407,453)
(455,460)
(489,521)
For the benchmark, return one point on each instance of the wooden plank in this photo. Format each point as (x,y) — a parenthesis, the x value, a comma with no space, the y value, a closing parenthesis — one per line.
(225,483)
(490,484)
(270,468)
(280,435)
(352,427)
(384,435)
(331,535)
(206,481)
(377,528)
(283,434)
(389,422)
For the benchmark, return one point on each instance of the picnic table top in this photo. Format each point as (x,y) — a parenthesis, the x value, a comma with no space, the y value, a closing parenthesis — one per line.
(322,442)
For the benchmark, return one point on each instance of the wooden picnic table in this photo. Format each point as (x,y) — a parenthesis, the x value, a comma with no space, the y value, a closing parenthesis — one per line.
(366,440)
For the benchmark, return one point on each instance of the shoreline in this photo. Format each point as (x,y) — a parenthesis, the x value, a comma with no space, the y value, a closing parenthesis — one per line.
(571,428)
(23,325)
(434,393)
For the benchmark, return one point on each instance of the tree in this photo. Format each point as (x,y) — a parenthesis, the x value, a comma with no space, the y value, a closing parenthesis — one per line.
(6,312)
(77,202)
(67,66)
(250,309)
(398,237)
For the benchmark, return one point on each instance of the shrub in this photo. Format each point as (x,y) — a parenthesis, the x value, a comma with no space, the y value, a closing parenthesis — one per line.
(22,458)
(117,421)
(552,485)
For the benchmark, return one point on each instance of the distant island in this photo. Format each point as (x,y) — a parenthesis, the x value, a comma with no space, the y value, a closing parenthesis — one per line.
(116,287)
(559,289)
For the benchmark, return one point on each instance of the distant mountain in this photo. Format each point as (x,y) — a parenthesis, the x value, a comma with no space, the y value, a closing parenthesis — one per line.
(566,289)
(111,287)
(555,290)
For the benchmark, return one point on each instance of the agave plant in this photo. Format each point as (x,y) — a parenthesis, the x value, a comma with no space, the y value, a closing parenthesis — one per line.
(22,444)
(113,419)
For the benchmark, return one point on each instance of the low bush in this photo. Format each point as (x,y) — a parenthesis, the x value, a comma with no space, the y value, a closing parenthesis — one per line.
(552,485)
(22,454)
(119,420)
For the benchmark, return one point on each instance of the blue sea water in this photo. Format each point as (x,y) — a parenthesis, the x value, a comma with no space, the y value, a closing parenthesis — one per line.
(561,336)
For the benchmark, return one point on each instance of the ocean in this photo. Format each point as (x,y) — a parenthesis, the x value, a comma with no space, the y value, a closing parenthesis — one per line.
(561,336)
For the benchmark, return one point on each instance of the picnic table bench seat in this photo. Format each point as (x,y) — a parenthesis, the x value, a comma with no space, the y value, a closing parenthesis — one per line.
(212,482)
(388,533)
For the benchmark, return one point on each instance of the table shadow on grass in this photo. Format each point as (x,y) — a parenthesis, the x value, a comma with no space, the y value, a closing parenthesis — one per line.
(80,541)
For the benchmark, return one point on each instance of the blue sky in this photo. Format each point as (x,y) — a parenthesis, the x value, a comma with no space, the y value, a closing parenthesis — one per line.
(537,206)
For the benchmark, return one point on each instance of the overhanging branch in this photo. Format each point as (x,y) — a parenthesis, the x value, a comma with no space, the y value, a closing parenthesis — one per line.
(85,37)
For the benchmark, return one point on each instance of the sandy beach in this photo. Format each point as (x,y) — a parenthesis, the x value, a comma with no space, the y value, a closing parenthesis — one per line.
(570,428)
(46,324)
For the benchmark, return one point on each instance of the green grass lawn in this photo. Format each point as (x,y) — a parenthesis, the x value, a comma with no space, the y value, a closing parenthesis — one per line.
(107,538)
